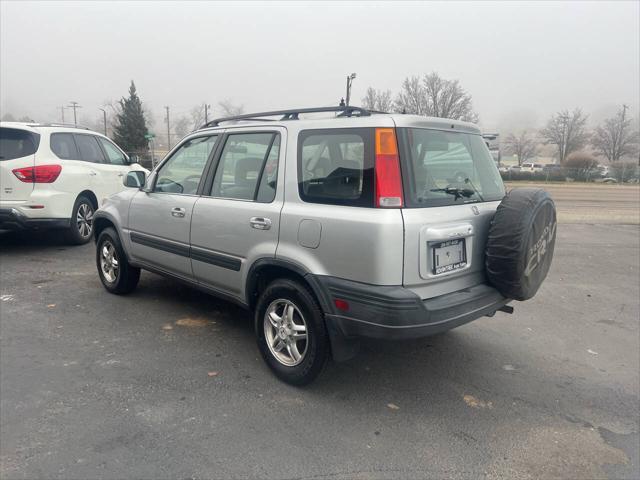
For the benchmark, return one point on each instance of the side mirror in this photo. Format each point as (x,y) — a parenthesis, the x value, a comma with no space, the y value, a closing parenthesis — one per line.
(134,159)
(135,179)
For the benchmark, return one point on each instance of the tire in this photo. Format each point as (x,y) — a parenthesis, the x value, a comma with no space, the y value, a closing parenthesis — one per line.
(81,222)
(281,295)
(121,278)
(521,241)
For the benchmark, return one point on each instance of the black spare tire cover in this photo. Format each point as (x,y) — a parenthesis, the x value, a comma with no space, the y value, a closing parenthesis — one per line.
(520,243)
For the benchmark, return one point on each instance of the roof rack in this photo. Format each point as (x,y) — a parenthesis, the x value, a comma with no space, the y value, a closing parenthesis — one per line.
(66,125)
(292,114)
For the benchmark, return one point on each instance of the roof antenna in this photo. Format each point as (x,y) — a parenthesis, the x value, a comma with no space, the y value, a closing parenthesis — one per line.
(342,104)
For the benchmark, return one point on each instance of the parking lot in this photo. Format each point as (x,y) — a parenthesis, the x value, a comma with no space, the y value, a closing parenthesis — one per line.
(168,383)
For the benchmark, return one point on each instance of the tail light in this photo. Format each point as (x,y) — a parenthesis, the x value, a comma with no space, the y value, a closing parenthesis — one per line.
(38,174)
(388,184)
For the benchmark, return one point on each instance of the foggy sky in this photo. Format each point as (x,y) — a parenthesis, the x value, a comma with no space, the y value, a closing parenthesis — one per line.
(520,61)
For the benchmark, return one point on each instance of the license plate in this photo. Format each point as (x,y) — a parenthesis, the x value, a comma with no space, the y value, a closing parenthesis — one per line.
(449,256)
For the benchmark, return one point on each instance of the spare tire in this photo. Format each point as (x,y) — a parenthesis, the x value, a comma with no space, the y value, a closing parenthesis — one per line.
(521,240)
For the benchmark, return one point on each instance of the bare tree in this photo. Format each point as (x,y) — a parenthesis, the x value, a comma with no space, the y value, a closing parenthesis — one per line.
(523,146)
(197,117)
(229,109)
(182,126)
(412,97)
(435,96)
(614,138)
(378,100)
(567,131)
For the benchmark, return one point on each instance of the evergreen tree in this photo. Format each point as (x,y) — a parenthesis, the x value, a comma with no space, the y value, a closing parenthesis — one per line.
(130,126)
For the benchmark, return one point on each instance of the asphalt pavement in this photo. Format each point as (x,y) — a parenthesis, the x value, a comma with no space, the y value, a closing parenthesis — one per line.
(168,383)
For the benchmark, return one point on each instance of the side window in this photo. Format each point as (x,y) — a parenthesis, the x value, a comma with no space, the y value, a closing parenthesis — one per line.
(63,145)
(115,156)
(181,173)
(336,167)
(248,160)
(89,149)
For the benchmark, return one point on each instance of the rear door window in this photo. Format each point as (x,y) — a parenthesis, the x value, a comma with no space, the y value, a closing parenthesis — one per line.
(64,146)
(248,167)
(16,143)
(89,149)
(336,166)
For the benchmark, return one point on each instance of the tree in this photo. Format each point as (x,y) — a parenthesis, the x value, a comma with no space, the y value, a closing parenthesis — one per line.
(182,126)
(7,117)
(435,96)
(567,131)
(229,109)
(523,146)
(581,166)
(130,125)
(378,100)
(614,138)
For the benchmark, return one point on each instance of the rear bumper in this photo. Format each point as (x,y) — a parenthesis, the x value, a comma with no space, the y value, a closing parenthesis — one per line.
(13,219)
(396,313)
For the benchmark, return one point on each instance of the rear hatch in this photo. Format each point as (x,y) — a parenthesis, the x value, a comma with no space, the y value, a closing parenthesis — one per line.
(451,191)
(18,146)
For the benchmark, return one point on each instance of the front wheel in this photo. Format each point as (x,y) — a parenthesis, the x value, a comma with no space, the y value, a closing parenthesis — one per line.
(116,274)
(292,336)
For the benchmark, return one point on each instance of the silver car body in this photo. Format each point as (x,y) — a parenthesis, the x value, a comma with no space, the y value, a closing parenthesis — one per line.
(214,243)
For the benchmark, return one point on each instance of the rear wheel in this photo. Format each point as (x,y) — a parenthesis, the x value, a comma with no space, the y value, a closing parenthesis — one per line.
(116,274)
(81,223)
(292,336)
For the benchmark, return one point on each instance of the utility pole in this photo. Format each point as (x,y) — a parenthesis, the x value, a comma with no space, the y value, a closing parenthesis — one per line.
(349,82)
(62,112)
(206,113)
(168,129)
(75,106)
(104,117)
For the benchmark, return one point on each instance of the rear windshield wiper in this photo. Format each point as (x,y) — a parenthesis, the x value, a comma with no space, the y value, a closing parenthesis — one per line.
(455,191)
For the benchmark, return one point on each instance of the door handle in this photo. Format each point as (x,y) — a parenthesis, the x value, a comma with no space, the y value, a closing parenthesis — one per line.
(178,212)
(260,223)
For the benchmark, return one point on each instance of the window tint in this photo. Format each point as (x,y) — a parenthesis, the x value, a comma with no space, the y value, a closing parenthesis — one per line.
(115,156)
(248,160)
(89,149)
(63,145)
(336,167)
(435,162)
(16,143)
(182,172)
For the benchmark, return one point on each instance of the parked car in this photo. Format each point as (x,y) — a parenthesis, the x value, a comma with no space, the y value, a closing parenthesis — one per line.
(532,167)
(331,229)
(55,176)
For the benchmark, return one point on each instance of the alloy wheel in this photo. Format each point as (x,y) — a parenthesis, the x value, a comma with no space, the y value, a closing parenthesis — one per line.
(84,220)
(285,331)
(109,263)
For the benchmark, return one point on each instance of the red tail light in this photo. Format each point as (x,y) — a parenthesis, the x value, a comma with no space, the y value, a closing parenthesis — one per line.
(38,174)
(388,185)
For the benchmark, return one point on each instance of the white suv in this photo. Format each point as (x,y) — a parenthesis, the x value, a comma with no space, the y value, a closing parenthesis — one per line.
(56,176)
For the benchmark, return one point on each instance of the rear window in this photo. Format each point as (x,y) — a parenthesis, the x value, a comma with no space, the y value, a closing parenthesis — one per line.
(336,166)
(446,168)
(15,143)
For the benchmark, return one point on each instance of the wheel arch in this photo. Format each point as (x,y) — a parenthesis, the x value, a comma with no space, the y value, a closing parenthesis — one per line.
(91,196)
(265,270)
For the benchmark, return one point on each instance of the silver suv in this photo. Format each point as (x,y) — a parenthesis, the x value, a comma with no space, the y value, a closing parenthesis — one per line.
(332,224)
